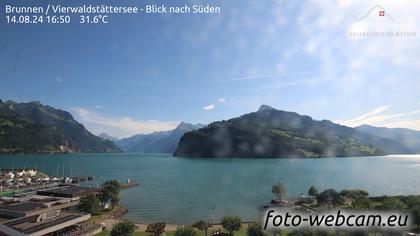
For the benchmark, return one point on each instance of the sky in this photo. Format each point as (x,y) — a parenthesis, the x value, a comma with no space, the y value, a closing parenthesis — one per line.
(144,73)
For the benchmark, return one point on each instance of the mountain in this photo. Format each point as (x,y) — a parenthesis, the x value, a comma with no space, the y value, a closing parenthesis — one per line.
(275,133)
(141,142)
(157,142)
(36,128)
(107,137)
(407,137)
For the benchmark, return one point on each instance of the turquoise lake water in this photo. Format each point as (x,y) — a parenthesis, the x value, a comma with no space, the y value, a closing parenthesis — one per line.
(183,190)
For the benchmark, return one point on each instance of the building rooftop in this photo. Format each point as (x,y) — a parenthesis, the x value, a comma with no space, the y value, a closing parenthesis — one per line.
(69,191)
(46,223)
(22,206)
(36,205)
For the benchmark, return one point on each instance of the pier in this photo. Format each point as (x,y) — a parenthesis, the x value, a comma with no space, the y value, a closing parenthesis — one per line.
(129,185)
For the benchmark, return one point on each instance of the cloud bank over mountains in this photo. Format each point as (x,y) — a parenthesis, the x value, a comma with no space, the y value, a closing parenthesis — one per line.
(120,126)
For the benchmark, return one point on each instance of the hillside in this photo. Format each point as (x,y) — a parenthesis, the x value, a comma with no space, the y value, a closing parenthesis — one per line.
(36,128)
(108,137)
(156,142)
(281,134)
(407,137)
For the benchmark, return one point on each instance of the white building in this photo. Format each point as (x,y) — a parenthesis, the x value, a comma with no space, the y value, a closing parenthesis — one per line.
(31,172)
(9,175)
(20,173)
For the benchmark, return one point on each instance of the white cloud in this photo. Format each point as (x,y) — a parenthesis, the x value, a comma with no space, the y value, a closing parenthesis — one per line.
(356,64)
(209,107)
(263,76)
(283,84)
(212,106)
(324,28)
(410,124)
(383,117)
(120,126)
(310,47)
(370,114)
(99,107)
(372,117)
(280,68)
(59,80)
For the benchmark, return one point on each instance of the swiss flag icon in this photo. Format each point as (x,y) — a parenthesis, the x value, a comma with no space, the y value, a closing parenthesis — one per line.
(381,13)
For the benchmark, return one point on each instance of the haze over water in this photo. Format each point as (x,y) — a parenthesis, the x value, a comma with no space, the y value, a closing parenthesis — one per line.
(183,190)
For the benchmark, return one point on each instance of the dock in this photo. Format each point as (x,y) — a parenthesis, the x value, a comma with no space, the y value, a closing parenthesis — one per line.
(129,185)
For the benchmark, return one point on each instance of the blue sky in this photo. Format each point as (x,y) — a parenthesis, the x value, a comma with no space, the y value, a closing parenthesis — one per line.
(145,73)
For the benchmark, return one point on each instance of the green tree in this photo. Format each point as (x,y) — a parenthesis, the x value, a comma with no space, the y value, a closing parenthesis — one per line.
(312,191)
(354,193)
(255,229)
(123,228)
(90,204)
(413,201)
(392,203)
(111,191)
(361,204)
(415,212)
(330,196)
(156,229)
(202,225)
(115,200)
(231,223)
(185,231)
(279,190)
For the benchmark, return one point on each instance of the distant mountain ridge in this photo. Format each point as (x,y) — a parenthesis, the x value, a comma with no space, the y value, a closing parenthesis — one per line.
(407,137)
(107,137)
(275,133)
(156,142)
(36,128)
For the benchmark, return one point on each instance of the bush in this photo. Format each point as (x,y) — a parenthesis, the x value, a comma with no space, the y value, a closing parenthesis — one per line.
(202,225)
(90,204)
(412,201)
(123,228)
(279,190)
(361,204)
(392,203)
(110,191)
(231,224)
(354,193)
(416,216)
(156,229)
(312,191)
(185,231)
(330,196)
(255,229)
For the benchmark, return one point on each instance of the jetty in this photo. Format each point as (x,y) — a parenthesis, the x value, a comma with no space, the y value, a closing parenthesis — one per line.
(129,185)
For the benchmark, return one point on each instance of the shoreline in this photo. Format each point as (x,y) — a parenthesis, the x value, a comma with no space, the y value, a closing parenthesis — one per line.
(122,211)
(114,217)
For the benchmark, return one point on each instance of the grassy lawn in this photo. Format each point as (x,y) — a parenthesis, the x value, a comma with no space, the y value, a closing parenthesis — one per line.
(96,218)
(103,233)
(241,232)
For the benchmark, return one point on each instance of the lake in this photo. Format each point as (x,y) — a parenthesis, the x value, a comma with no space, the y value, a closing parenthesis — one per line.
(183,190)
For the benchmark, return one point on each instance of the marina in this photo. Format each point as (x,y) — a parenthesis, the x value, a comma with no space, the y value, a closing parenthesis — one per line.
(55,208)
